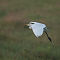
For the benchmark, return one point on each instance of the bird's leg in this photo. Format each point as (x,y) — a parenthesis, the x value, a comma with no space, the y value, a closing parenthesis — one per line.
(49,38)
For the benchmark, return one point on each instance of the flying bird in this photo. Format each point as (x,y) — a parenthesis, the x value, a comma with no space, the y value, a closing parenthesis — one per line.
(38,29)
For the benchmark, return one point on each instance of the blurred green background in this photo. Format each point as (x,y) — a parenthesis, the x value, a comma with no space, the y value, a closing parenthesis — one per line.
(19,43)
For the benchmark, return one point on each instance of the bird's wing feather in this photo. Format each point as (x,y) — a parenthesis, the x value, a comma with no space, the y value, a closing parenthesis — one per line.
(37,30)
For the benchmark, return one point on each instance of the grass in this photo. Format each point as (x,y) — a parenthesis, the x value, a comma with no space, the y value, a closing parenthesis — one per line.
(17,42)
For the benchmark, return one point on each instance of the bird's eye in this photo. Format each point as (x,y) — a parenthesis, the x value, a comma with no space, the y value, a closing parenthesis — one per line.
(32,23)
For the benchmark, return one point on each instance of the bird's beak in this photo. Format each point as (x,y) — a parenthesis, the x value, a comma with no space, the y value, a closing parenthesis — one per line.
(26,24)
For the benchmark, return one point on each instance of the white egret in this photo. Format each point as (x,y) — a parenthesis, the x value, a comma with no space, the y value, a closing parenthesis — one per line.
(38,29)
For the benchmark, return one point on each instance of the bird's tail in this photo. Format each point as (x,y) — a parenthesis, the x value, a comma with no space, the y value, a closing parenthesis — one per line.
(49,38)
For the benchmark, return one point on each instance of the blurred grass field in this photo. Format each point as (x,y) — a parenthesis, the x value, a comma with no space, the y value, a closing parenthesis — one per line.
(19,43)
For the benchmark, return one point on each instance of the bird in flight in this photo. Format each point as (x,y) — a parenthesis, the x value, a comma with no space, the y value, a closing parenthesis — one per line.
(38,29)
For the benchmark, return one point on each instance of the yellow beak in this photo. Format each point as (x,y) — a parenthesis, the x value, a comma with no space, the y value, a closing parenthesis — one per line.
(26,24)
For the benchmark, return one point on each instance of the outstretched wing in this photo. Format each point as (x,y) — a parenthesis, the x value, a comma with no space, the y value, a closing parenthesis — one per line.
(38,29)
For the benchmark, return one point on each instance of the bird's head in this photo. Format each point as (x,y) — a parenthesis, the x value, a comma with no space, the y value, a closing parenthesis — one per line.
(31,24)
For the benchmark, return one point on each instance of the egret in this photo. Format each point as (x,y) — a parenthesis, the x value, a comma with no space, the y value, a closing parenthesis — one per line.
(38,29)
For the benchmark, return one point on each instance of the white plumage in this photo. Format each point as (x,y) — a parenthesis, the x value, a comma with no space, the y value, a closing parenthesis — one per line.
(37,28)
